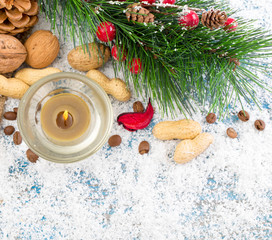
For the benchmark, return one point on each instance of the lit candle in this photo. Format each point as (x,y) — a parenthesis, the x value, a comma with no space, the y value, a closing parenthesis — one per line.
(65,117)
(64,120)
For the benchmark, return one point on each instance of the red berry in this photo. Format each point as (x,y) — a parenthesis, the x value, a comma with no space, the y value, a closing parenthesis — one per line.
(135,66)
(115,54)
(106,32)
(148,1)
(189,20)
(230,25)
(169,1)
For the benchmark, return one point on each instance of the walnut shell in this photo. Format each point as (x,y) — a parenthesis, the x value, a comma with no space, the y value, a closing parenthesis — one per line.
(42,49)
(80,59)
(12,53)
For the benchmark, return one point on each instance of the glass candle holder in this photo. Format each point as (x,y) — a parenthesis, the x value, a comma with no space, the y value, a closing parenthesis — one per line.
(30,124)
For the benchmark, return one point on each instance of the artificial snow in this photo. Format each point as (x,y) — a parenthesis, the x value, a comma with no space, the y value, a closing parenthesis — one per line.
(117,193)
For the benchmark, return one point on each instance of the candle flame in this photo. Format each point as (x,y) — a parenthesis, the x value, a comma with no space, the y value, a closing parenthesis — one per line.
(65,115)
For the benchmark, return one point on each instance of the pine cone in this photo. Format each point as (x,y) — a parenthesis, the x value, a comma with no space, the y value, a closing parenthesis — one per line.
(17,16)
(137,13)
(213,19)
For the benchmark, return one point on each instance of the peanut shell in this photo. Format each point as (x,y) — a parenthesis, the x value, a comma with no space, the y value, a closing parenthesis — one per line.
(80,59)
(115,86)
(187,150)
(182,129)
(30,76)
(12,87)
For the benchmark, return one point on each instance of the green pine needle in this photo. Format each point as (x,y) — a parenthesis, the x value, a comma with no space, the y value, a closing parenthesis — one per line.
(190,65)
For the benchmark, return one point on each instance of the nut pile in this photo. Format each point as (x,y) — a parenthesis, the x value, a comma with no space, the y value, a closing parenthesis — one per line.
(88,58)
(9,130)
(193,141)
(243,116)
(17,138)
(13,54)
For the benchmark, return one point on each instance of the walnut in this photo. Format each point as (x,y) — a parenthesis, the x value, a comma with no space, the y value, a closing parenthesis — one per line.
(42,49)
(12,53)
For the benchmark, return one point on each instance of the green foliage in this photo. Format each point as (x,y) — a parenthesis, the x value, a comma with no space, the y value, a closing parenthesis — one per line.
(190,65)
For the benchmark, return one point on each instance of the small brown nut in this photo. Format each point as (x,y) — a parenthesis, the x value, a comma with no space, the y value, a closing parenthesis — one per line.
(9,130)
(259,125)
(10,115)
(17,138)
(115,140)
(211,118)
(243,116)
(144,147)
(231,133)
(31,156)
(138,107)
(15,109)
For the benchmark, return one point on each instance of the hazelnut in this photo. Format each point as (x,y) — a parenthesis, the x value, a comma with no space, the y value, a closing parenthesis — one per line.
(9,130)
(144,147)
(31,156)
(138,107)
(259,125)
(243,116)
(231,133)
(211,118)
(115,140)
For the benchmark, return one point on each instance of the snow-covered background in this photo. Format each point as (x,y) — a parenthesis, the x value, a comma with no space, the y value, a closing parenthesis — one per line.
(226,193)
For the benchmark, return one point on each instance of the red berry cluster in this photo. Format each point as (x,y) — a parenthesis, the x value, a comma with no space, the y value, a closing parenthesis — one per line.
(106,33)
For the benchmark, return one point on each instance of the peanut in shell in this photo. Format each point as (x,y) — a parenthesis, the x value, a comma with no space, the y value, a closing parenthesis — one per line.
(187,150)
(182,129)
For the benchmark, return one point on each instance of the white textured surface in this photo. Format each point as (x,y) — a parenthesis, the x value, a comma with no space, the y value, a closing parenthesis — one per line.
(119,194)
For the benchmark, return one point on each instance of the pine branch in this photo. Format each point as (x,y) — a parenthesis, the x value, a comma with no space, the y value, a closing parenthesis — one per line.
(196,65)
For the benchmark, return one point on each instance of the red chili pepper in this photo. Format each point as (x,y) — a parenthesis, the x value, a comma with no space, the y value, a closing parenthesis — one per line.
(133,121)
